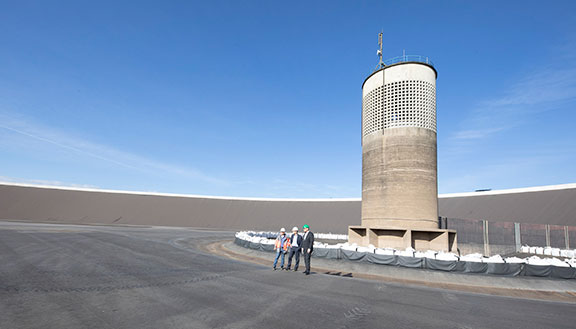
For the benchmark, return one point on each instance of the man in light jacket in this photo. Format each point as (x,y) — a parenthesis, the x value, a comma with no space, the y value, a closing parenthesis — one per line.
(281,246)
(307,247)
(295,249)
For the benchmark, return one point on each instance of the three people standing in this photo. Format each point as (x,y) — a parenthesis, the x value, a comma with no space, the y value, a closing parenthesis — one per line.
(296,244)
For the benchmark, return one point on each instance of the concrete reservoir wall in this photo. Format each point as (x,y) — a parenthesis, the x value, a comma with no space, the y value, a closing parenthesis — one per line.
(542,205)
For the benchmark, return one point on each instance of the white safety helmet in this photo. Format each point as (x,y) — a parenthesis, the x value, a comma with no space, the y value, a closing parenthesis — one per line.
(283,230)
(295,228)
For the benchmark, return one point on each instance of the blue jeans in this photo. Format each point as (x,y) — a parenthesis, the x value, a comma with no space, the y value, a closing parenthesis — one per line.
(279,253)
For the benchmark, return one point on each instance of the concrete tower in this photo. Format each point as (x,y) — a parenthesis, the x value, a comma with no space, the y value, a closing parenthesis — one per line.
(399,164)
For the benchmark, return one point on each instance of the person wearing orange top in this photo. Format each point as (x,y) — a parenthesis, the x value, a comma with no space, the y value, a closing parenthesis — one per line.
(281,247)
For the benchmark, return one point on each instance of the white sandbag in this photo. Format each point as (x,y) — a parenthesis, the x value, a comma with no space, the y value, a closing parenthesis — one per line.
(571,262)
(350,247)
(332,246)
(568,253)
(447,256)
(476,258)
(406,253)
(384,251)
(535,260)
(431,254)
(515,260)
(493,259)
(539,251)
(365,249)
(558,262)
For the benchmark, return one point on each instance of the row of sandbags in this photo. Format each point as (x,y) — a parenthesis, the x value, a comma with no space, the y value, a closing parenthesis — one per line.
(419,261)
(549,251)
(262,235)
(268,238)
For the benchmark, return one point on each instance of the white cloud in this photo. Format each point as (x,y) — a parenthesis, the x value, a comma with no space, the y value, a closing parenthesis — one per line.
(545,89)
(100,152)
(22,131)
(44,182)
(542,87)
(475,134)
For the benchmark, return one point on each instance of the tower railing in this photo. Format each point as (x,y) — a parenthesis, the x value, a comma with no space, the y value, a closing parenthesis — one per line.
(408,58)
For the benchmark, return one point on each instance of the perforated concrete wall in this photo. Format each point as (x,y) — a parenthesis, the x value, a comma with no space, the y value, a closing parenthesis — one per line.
(399,96)
(409,103)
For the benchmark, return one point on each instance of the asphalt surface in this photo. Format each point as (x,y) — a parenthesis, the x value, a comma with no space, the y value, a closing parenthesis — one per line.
(66,276)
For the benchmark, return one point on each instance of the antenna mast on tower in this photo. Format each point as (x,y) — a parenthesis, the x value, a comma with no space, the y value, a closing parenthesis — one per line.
(379,52)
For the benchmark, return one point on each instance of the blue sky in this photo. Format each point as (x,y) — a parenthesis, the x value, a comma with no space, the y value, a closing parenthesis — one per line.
(263,98)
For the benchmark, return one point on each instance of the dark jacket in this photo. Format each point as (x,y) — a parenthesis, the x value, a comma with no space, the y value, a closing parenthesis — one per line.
(308,243)
(298,239)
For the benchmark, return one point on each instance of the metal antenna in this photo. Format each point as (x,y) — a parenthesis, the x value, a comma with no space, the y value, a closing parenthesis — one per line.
(379,52)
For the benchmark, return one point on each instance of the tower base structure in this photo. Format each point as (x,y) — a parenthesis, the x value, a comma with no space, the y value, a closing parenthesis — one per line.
(402,238)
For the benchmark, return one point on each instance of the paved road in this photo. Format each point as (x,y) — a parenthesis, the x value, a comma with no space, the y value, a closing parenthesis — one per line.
(65,276)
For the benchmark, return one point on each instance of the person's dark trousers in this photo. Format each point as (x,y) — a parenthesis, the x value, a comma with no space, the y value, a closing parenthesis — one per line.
(294,252)
(307,256)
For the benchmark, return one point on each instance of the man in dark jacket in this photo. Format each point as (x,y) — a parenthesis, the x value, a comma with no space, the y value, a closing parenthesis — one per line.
(295,249)
(307,247)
